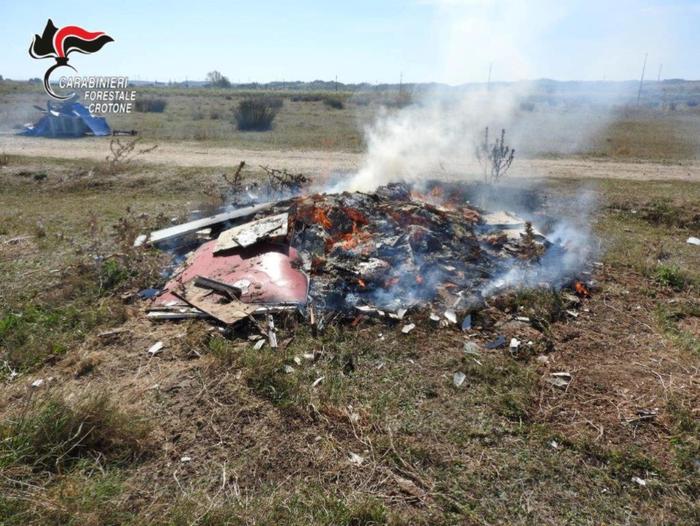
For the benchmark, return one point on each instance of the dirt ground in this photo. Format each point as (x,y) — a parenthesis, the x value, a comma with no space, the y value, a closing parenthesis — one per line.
(323,163)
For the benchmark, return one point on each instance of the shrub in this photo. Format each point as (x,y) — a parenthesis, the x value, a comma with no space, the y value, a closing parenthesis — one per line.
(256,114)
(333,102)
(671,276)
(150,105)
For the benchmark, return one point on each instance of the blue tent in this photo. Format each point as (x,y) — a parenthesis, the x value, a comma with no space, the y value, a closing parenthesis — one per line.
(67,119)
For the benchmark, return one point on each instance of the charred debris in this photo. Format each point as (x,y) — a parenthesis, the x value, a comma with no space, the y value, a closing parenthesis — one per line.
(345,256)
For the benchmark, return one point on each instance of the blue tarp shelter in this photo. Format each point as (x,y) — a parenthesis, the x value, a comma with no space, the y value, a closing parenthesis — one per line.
(67,119)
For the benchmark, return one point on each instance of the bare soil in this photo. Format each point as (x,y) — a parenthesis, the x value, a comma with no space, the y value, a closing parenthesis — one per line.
(324,163)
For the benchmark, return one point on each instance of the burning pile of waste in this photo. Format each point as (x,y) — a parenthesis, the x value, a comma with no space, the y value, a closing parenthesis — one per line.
(381,253)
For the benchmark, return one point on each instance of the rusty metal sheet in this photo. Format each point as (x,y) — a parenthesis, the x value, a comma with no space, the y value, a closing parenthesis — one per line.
(265,273)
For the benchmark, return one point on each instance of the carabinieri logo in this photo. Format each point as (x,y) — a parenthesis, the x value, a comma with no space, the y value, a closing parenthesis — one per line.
(59,43)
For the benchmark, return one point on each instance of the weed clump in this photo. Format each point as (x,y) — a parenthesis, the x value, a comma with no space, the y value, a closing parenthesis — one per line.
(256,114)
(155,105)
(335,103)
(671,276)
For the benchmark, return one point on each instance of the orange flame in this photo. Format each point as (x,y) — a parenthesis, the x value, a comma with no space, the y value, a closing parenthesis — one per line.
(419,279)
(321,218)
(581,290)
(361,282)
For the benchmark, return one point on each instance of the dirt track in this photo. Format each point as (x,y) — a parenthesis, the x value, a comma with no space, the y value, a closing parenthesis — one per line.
(316,162)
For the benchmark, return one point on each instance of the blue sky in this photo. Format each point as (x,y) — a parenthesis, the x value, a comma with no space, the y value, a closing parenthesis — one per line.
(366,41)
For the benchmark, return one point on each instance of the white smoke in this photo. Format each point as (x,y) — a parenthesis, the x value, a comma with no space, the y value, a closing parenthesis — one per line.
(510,40)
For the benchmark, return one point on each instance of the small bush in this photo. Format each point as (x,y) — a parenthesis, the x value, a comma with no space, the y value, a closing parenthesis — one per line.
(150,105)
(256,114)
(334,102)
(671,276)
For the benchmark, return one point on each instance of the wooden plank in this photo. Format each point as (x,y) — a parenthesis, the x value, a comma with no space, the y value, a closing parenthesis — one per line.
(250,233)
(209,302)
(187,228)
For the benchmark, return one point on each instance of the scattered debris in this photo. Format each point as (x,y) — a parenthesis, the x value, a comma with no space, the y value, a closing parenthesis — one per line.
(471,349)
(356,459)
(458,378)
(560,379)
(467,322)
(409,487)
(514,345)
(149,293)
(693,241)
(499,342)
(155,348)
(38,382)
(408,328)
(271,334)
(639,481)
(318,381)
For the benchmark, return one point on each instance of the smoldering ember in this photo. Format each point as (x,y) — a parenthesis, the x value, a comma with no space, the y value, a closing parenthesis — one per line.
(346,255)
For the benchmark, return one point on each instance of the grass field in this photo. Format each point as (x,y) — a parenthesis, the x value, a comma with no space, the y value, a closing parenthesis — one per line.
(212,432)
(569,123)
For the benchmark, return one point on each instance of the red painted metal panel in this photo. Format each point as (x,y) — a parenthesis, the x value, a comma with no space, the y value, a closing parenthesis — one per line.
(270,269)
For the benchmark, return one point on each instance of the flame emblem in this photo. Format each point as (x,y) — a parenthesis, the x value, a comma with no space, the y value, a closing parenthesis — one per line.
(59,43)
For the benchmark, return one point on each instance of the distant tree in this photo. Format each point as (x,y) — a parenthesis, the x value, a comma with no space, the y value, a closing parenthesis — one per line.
(216,80)
(1,79)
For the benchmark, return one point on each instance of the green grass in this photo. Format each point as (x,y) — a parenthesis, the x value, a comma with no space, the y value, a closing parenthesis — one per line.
(671,276)
(669,317)
(51,435)
(33,333)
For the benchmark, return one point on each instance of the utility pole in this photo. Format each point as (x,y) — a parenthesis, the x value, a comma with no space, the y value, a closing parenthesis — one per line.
(488,82)
(658,78)
(336,83)
(400,82)
(641,80)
